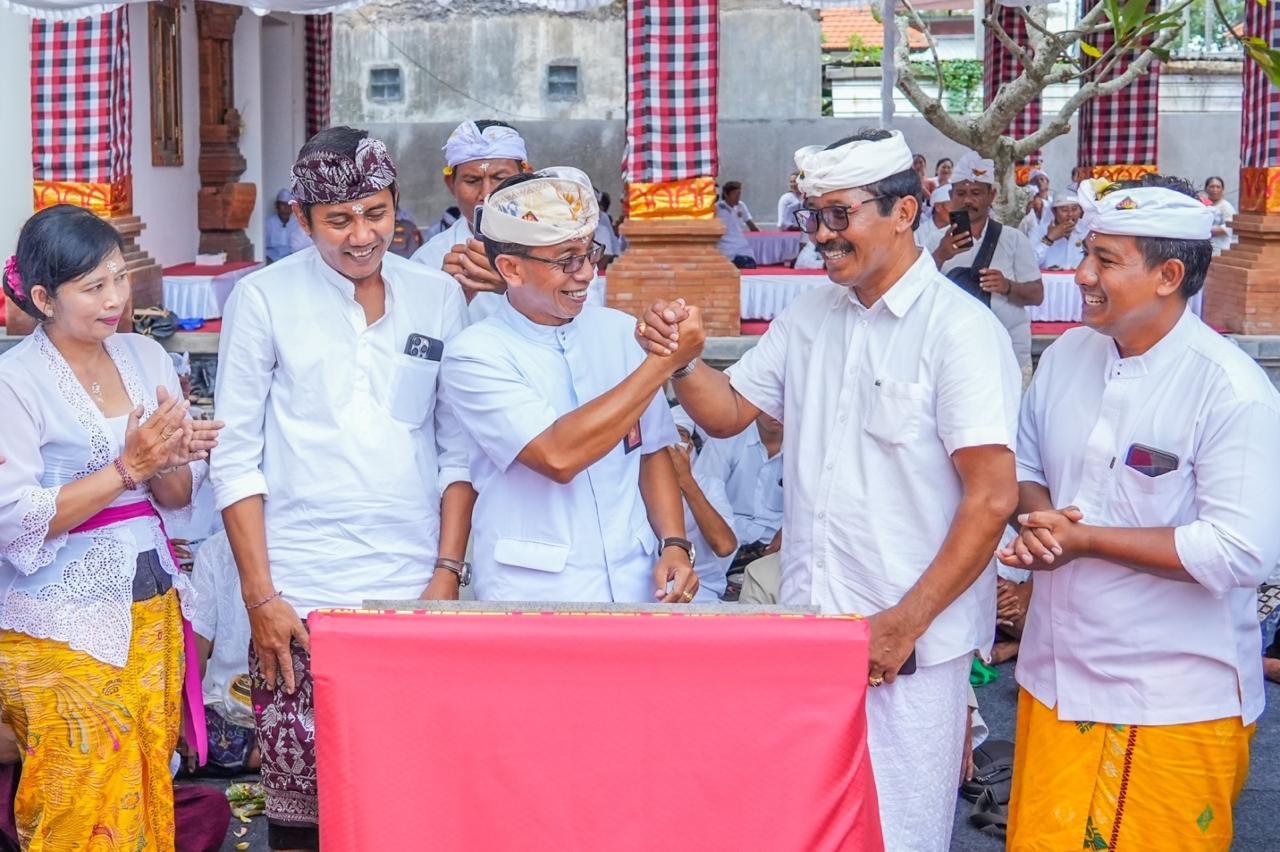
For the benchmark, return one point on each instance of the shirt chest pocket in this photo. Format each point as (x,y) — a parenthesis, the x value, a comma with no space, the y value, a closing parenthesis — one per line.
(1152,501)
(897,411)
(413,389)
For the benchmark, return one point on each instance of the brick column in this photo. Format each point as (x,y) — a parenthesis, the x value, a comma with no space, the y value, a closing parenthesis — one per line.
(1242,291)
(671,163)
(81,145)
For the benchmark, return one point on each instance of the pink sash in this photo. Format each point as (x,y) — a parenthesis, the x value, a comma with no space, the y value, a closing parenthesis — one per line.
(192,691)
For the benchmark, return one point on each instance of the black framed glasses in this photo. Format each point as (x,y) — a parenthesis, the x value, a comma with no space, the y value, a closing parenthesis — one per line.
(835,217)
(570,265)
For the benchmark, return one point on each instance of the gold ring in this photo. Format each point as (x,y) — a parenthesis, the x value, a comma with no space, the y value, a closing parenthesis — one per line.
(875,681)
(167,433)
(641,328)
(687,596)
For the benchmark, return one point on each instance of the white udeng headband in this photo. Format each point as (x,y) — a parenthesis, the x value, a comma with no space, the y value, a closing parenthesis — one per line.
(856,164)
(1147,211)
(557,205)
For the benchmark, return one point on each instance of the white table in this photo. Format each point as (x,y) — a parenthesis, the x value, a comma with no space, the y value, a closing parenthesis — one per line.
(774,248)
(1062,298)
(764,296)
(192,291)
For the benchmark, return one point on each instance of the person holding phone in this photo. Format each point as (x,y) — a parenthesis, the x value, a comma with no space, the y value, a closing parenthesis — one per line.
(1148,455)
(994,263)
(900,396)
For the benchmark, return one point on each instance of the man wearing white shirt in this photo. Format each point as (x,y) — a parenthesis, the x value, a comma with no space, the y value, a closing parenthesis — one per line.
(577,497)
(1010,281)
(936,219)
(750,465)
(1039,213)
(732,198)
(1148,454)
(788,203)
(708,514)
(734,244)
(899,393)
(478,155)
(1062,246)
(340,478)
(284,235)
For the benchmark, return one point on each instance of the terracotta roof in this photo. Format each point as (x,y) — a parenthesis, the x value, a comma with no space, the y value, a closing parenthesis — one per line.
(839,24)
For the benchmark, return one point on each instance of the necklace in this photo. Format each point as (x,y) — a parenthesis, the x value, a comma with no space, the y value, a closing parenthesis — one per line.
(95,390)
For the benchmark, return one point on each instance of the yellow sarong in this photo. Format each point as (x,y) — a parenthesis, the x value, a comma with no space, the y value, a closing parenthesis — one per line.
(1087,785)
(96,739)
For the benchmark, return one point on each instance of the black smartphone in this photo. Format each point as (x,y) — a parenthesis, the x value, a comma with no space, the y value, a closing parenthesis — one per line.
(960,221)
(475,220)
(909,667)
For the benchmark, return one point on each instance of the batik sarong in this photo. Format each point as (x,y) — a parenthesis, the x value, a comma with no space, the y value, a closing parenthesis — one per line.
(1087,785)
(96,740)
(286,731)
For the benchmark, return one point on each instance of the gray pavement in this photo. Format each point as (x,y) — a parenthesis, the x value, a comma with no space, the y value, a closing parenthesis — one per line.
(1257,815)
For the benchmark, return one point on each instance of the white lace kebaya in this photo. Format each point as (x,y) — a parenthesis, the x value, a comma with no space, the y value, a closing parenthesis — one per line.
(76,589)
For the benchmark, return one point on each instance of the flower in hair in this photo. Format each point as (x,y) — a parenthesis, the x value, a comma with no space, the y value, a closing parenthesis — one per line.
(12,278)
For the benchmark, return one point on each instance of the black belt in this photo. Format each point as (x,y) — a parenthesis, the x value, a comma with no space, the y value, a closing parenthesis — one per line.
(150,580)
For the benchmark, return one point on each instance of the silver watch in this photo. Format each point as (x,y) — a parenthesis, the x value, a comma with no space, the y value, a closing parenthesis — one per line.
(462,569)
(685,370)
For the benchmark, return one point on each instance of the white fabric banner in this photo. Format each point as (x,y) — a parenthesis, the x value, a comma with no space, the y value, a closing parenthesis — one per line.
(65,10)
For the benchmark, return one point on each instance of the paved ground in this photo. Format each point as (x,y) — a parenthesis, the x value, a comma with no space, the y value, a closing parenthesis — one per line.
(1257,815)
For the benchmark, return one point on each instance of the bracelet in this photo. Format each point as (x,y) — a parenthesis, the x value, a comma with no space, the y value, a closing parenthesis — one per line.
(130,483)
(268,599)
(684,371)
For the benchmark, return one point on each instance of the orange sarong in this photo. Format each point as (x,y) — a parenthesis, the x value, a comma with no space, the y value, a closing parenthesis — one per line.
(1088,785)
(96,740)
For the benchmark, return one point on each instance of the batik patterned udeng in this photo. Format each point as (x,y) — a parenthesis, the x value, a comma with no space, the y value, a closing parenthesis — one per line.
(329,178)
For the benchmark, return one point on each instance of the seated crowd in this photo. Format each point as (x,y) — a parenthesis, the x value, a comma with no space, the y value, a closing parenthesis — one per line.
(924,478)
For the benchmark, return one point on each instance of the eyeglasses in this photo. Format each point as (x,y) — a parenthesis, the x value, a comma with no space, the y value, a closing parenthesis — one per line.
(836,217)
(570,265)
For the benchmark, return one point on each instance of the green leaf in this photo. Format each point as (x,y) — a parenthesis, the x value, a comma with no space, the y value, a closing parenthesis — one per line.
(1090,50)
(1162,54)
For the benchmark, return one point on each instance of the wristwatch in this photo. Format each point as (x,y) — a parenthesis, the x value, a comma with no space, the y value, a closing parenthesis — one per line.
(685,370)
(462,569)
(682,543)
(1045,239)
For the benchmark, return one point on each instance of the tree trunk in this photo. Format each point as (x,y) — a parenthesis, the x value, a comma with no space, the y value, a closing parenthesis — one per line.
(1011,199)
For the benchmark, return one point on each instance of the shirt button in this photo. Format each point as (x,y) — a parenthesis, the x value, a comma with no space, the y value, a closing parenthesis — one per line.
(821,515)
(843,418)
(830,466)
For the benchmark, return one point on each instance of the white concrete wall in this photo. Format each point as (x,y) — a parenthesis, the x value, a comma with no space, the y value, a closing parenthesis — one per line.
(248,84)
(15,127)
(165,196)
(284,101)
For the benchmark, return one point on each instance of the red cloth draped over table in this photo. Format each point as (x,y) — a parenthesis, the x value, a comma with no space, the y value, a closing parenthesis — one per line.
(601,732)
(1002,67)
(1119,133)
(318,71)
(80,112)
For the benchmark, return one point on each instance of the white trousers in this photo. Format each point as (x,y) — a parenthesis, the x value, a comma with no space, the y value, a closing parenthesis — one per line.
(915,735)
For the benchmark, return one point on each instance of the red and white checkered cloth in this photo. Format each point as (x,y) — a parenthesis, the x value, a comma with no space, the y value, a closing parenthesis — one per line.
(673,63)
(1124,128)
(1260,118)
(1002,68)
(80,107)
(318,71)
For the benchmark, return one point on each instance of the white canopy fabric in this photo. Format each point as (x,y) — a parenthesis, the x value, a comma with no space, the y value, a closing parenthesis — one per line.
(66,10)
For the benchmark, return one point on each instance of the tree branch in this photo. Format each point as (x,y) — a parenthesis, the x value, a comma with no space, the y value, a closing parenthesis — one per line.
(930,108)
(933,45)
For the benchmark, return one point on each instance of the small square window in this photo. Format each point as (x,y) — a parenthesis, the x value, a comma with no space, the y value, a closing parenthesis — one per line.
(385,84)
(562,82)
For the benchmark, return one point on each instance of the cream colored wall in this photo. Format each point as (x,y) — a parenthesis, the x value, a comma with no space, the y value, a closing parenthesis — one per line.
(15,121)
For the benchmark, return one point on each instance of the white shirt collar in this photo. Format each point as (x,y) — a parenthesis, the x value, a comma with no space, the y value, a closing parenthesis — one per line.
(899,298)
(1157,357)
(531,330)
